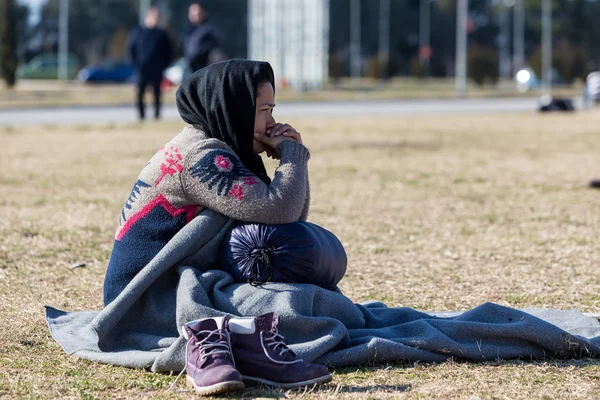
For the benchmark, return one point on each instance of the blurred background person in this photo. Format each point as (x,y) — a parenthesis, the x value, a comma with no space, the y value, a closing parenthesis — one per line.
(150,52)
(200,39)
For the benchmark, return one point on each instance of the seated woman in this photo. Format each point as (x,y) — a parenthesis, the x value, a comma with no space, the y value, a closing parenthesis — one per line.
(231,330)
(213,163)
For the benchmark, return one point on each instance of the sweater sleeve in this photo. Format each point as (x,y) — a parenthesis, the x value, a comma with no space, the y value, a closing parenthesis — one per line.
(306,208)
(217,179)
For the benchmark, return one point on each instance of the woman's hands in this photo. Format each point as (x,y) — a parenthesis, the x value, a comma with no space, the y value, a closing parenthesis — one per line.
(285,130)
(275,135)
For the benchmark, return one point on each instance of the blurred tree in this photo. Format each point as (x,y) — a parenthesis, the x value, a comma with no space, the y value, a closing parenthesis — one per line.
(117,44)
(92,24)
(570,61)
(23,28)
(573,20)
(482,64)
(97,26)
(404,33)
(8,41)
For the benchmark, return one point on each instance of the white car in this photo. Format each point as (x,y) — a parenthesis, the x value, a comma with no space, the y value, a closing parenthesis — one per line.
(591,92)
(177,72)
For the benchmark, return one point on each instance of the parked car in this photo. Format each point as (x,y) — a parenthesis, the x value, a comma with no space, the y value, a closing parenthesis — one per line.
(177,72)
(106,71)
(45,66)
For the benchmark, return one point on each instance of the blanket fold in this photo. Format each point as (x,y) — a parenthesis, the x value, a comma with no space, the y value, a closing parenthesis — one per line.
(141,327)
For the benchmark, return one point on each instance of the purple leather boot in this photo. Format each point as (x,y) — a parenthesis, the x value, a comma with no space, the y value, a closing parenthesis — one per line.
(261,356)
(210,366)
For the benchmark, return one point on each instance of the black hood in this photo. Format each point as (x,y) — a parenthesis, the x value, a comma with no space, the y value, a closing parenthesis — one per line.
(221,101)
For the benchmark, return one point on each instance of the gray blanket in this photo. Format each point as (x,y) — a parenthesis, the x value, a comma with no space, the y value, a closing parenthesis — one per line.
(140,328)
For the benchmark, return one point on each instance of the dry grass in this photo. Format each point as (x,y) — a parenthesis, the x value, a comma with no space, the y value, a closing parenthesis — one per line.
(53,93)
(435,213)
(58,94)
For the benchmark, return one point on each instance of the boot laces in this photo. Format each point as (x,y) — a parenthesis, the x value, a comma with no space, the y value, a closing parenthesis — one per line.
(212,346)
(220,345)
(276,342)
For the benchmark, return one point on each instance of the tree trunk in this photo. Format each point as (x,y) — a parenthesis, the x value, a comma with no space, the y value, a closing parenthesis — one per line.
(8,42)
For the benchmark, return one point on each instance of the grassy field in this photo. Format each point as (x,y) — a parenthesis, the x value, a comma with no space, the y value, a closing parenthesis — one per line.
(435,213)
(52,93)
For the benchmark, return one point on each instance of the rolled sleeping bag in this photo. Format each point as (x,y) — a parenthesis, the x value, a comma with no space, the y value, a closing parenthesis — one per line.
(299,252)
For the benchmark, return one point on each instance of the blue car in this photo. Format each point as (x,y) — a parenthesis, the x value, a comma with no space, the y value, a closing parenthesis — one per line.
(105,72)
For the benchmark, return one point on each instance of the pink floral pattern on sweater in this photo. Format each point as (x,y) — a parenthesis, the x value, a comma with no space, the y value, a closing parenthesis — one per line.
(172,164)
(223,163)
(224,173)
(238,192)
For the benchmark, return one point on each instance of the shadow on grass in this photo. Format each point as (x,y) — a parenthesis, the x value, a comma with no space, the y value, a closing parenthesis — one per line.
(353,374)
(365,370)
(369,388)
(265,392)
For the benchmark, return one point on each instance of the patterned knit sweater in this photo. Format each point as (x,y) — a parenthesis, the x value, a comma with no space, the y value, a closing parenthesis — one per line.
(191,173)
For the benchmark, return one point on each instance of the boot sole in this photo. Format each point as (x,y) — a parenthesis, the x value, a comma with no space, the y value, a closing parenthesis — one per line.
(293,385)
(217,388)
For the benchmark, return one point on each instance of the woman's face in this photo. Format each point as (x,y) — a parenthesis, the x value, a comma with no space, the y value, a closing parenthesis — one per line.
(263,119)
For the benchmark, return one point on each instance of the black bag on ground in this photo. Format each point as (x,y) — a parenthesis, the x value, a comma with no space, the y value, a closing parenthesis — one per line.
(299,252)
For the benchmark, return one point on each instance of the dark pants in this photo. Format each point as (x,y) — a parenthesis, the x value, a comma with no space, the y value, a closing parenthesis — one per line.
(141,90)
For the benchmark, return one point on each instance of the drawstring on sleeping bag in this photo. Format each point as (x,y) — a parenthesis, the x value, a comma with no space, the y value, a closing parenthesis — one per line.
(260,258)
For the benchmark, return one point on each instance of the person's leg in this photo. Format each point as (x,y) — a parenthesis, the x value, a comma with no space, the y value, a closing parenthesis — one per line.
(141,89)
(157,94)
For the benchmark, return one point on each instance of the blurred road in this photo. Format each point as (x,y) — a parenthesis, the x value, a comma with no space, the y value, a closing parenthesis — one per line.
(104,114)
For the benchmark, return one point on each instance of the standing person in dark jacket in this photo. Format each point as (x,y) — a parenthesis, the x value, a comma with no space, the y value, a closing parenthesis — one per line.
(150,52)
(199,39)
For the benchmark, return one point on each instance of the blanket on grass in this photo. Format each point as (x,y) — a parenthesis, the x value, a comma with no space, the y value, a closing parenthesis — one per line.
(141,328)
